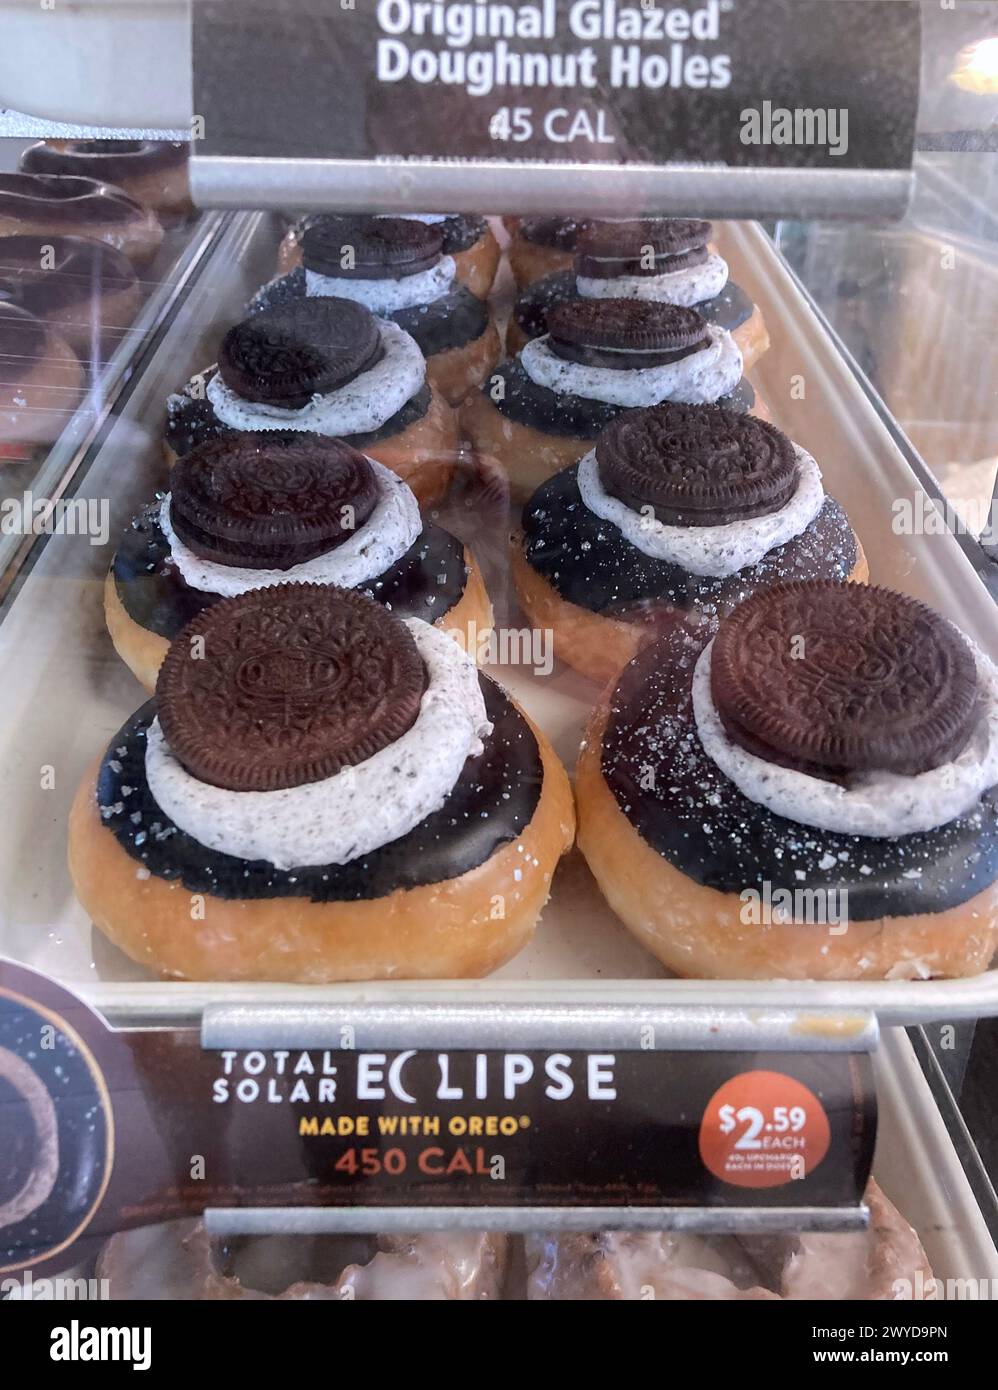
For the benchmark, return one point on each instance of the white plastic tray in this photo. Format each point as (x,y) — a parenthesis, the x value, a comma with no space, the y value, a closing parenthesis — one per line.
(65,692)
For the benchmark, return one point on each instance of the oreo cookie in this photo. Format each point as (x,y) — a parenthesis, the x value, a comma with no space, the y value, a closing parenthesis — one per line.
(838,679)
(307,348)
(609,250)
(625,334)
(287,685)
(250,501)
(697,465)
(371,248)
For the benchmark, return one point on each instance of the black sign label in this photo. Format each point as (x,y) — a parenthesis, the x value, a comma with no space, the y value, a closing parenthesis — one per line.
(105,1130)
(736,83)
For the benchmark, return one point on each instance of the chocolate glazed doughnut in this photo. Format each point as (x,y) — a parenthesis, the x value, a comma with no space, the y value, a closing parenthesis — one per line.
(541,246)
(50,205)
(83,289)
(304,699)
(469,239)
(41,383)
(405,279)
(153,172)
(315,365)
(849,706)
(731,309)
(263,510)
(533,431)
(690,467)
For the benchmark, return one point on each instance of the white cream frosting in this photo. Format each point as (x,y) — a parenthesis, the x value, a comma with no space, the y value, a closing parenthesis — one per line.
(384,538)
(686,287)
(878,804)
(356,810)
(699,379)
(716,551)
(386,296)
(430,217)
(362,405)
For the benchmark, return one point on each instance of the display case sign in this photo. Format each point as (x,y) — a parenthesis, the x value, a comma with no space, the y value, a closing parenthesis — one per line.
(106,1130)
(755,84)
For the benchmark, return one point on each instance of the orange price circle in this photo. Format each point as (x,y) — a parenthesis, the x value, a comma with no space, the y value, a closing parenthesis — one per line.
(763,1129)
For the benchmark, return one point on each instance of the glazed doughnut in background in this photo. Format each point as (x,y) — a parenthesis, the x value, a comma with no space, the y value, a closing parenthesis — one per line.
(153,172)
(622,1265)
(84,289)
(180,1261)
(41,383)
(53,204)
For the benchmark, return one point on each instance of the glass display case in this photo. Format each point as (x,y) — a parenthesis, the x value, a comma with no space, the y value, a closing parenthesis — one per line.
(500,736)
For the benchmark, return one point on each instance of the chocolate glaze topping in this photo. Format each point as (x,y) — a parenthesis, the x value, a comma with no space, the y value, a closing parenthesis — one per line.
(76,202)
(426,582)
(22,343)
(461,231)
(834,679)
(311,347)
(248,502)
(191,420)
(452,321)
(589,563)
(684,807)
(560,233)
(624,334)
(76,270)
(697,465)
(493,801)
(564,414)
(287,685)
(112,160)
(730,309)
(374,248)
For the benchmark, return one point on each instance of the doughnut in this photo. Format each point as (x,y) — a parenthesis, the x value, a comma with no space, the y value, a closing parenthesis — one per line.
(635,1265)
(180,1262)
(53,205)
(541,246)
(85,290)
(396,267)
(153,172)
(245,511)
(603,591)
(320,791)
(665,259)
(325,366)
(41,383)
(469,239)
(805,790)
(542,411)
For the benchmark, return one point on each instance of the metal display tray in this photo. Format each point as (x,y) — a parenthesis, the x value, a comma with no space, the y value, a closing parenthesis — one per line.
(66,693)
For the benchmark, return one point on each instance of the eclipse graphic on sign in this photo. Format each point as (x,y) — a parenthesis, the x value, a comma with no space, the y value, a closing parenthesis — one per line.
(57,1126)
